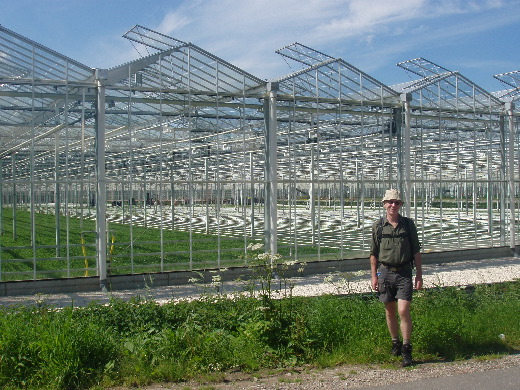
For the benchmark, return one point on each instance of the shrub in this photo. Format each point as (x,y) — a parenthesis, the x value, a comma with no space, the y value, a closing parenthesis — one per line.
(46,346)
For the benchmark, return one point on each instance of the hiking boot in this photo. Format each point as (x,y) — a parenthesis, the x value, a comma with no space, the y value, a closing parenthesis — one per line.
(397,345)
(406,352)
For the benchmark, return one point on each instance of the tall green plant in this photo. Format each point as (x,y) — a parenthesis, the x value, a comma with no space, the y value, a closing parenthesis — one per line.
(50,349)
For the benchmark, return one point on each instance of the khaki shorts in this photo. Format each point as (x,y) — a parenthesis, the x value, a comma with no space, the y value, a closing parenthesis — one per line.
(394,285)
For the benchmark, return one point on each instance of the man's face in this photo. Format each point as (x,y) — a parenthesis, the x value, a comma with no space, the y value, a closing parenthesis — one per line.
(392,206)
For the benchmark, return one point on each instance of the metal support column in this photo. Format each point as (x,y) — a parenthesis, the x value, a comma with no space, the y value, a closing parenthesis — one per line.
(312,197)
(1,210)
(271,170)
(101,204)
(252,190)
(57,195)
(502,181)
(510,108)
(406,99)
(15,203)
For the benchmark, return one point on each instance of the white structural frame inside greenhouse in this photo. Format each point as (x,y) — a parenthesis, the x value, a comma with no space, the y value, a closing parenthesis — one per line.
(116,163)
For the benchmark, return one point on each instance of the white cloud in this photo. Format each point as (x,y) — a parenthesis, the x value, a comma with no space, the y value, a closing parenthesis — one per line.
(247,32)
(173,21)
(446,7)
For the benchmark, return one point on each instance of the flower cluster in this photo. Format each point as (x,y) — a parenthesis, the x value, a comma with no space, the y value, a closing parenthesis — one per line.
(255,247)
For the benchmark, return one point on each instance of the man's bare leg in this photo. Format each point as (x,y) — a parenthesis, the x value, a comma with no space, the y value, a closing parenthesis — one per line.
(391,319)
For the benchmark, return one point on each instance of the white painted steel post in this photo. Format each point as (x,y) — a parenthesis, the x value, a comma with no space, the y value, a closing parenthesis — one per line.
(206,170)
(406,99)
(101,203)
(312,198)
(1,210)
(272,182)
(57,197)
(510,108)
(15,205)
(252,189)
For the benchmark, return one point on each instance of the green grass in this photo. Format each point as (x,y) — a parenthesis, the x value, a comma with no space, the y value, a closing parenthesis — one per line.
(131,249)
(138,342)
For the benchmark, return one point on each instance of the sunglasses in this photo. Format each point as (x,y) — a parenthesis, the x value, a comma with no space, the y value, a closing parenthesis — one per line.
(396,202)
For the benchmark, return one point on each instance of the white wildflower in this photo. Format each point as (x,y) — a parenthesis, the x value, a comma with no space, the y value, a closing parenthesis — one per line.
(328,279)
(264,256)
(276,257)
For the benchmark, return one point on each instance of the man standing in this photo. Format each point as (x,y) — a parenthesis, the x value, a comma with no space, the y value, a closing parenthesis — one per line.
(395,249)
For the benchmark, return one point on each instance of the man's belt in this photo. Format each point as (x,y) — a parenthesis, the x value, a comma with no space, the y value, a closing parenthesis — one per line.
(395,269)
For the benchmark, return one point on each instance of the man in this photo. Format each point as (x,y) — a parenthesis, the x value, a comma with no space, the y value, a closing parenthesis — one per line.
(395,248)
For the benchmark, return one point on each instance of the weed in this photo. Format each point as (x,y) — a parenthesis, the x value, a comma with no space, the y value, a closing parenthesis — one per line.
(289,380)
(342,281)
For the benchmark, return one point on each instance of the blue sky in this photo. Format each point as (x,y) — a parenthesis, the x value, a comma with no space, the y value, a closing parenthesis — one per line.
(479,38)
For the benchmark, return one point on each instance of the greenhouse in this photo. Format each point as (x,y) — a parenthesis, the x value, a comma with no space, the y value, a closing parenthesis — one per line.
(180,160)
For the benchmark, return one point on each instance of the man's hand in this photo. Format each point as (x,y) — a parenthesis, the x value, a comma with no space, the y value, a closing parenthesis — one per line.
(418,282)
(375,286)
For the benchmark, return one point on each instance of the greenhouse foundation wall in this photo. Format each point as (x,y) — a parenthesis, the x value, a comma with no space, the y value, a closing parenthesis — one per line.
(157,280)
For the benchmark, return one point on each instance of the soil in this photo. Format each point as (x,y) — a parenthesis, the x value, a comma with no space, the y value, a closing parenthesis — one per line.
(345,377)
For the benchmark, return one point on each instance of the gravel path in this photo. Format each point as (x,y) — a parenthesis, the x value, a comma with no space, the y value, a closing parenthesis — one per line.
(355,377)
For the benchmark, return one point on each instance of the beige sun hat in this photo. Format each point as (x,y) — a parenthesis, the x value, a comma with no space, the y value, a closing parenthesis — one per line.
(392,195)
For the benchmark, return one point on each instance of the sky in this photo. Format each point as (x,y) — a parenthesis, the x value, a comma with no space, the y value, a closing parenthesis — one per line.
(478,38)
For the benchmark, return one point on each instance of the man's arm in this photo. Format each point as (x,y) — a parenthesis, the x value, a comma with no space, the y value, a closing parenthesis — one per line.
(373,272)
(416,246)
(418,271)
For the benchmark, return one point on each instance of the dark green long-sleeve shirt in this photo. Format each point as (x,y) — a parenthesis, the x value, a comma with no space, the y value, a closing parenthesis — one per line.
(396,248)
